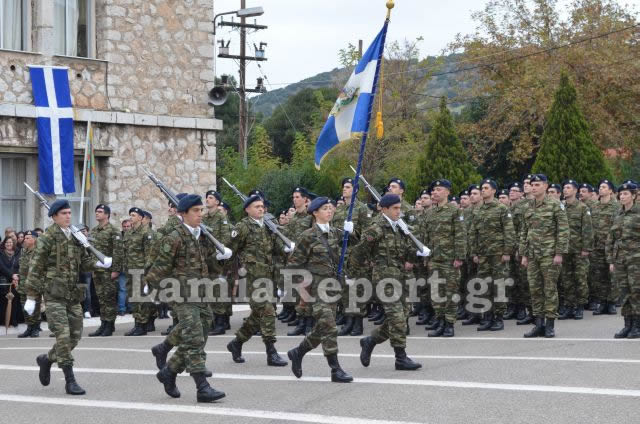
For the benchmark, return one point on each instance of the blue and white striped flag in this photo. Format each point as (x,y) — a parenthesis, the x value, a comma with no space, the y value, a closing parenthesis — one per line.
(54,120)
(350,114)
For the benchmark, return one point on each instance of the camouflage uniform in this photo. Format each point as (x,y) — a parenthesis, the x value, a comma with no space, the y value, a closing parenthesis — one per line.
(183,257)
(604,290)
(468,269)
(575,267)
(443,232)
(408,214)
(520,292)
(32,320)
(297,225)
(320,258)
(221,229)
(545,233)
(492,236)
(54,273)
(107,240)
(387,250)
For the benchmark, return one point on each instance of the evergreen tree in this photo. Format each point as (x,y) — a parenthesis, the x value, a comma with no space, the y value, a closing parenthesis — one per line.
(566,147)
(261,155)
(444,156)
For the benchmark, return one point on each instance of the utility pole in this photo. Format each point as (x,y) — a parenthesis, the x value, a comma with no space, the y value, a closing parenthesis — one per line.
(243,120)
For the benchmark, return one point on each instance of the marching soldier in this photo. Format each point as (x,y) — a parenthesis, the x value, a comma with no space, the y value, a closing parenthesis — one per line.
(55,266)
(623,255)
(575,265)
(254,246)
(387,248)
(318,251)
(544,241)
(492,245)
(396,186)
(183,255)
(32,320)
(106,238)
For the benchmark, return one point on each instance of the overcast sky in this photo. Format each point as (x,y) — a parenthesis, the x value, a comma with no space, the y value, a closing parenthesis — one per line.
(304,36)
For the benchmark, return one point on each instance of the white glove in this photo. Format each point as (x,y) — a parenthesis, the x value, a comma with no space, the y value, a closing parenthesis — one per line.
(30,306)
(424,252)
(350,281)
(145,289)
(107,263)
(348,226)
(223,256)
(290,249)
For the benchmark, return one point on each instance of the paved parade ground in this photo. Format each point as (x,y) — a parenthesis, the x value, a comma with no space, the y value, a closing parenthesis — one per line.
(581,376)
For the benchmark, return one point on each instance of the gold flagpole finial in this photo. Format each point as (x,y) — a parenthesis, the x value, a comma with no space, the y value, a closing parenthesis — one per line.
(390,5)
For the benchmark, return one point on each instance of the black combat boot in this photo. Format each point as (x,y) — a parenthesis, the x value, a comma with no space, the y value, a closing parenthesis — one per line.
(498,324)
(341,318)
(71,387)
(528,319)
(565,313)
(100,329)
(460,312)
(549,332)
(579,312)
(601,309)
(592,306)
(511,312)
(109,329)
(27,332)
(403,362)
(448,330)
(635,328)
(357,329)
(438,330)
(521,312)
(151,325)
(295,356)
(137,330)
(435,323)
(611,308)
(273,359)
(416,310)
(472,320)
(299,330)
(35,331)
(538,330)
(337,373)
(380,321)
(487,324)
(292,319)
(160,351)
(367,344)
(45,369)
(309,322)
(622,334)
(347,326)
(206,393)
(378,315)
(219,326)
(235,347)
(168,379)
(227,322)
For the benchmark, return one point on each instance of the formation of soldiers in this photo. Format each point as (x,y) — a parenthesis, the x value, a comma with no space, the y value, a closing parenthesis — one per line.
(534,252)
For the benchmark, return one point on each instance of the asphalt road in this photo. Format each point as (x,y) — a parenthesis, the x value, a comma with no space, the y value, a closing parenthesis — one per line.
(581,376)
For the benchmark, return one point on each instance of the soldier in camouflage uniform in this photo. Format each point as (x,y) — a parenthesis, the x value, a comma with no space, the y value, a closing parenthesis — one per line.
(575,265)
(136,248)
(360,220)
(586,191)
(391,253)
(107,239)
(55,267)
(254,247)
(396,186)
(424,309)
(523,317)
(471,268)
(604,286)
(492,242)
(183,256)
(623,255)
(543,242)
(318,252)
(32,320)
(444,234)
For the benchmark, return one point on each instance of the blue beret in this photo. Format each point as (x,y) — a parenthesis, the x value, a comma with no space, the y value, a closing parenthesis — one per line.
(588,187)
(454,199)
(491,183)
(628,186)
(347,180)
(556,187)
(473,187)
(571,182)
(539,177)
(148,214)
(317,203)
(251,199)
(31,233)
(464,193)
(516,185)
(189,201)
(256,192)
(397,181)
(503,192)
(441,183)
(178,196)
(136,210)
(609,183)
(57,206)
(104,207)
(303,191)
(389,200)
(528,177)
(426,191)
(214,194)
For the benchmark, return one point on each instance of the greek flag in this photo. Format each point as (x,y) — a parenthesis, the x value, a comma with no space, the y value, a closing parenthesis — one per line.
(54,120)
(350,114)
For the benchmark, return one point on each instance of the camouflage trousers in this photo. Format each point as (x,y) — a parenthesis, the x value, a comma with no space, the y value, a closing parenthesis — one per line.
(468,271)
(107,291)
(219,307)
(142,312)
(394,327)
(345,301)
(543,286)
(574,285)
(324,330)
(604,287)
(446,289)
(33,319)
(263,318)
(194,328)
(65,321)
(491,269)
(628,275)
(519,293)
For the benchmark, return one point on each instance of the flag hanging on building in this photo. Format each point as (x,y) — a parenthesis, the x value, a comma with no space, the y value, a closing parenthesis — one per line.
(54,120)
(90,160)
(350,114)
